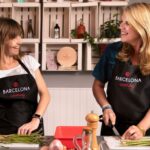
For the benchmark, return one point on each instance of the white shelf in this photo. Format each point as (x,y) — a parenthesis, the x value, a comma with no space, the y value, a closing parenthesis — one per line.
(68,14)
(78,41)
(56,5)
(24,11)
(30,41)
(53,49)
(3,5)
(86,4)
(106,40)
(93,15)
(113,3)
(31,49)
(61,40)
(26,4)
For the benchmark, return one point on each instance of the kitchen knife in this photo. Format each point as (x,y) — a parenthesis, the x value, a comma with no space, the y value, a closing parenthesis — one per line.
(112,126)
(116,132)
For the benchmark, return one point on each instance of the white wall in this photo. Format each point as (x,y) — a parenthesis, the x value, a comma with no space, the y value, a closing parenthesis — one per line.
(69,107)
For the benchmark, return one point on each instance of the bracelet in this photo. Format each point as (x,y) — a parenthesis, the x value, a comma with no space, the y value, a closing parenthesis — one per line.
(37,116)
(106,107)
(142,130)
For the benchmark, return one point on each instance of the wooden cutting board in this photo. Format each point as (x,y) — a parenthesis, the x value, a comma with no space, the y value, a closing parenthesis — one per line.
(67,56)
(20,146)
(114,144)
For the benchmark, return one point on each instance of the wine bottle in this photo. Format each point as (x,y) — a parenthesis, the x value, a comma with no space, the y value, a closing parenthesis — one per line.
(21,23)
(56,30)
(30,33)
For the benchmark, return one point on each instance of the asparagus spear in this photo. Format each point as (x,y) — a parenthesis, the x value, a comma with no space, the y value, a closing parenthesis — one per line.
(34,138)
(141,142)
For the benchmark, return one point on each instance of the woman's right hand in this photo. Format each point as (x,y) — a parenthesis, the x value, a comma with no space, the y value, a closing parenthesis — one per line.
(109,117)
(28,128)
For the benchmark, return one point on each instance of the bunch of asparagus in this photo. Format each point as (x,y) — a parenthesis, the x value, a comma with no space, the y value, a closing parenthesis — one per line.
(145,141)
(34,138)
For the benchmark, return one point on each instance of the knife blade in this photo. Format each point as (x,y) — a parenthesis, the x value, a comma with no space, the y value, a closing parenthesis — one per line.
(116,132)
(112,126)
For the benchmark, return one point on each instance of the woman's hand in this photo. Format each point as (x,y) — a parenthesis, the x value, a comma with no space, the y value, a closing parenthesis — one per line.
(109,117)
(27,128)
(133,133)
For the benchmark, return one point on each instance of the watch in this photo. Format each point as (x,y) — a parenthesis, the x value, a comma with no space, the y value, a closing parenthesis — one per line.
(37,116)
(108,106)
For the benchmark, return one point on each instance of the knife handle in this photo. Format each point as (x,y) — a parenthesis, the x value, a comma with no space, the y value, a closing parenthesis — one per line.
(101,120)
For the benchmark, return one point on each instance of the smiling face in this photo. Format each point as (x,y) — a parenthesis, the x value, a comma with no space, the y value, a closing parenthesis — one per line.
(128,33)
(12,47)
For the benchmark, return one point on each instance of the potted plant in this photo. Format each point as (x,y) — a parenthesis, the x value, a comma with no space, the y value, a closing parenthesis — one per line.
(87,37)
(110,29)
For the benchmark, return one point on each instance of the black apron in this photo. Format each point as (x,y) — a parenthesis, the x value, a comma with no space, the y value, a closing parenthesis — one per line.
(129,94)
(18,101)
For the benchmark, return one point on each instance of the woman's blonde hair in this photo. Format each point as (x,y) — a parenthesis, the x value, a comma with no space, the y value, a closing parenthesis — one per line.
(138,16)
(9,29)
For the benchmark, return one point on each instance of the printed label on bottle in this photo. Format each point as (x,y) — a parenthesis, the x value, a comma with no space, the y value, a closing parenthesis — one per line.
(56,34)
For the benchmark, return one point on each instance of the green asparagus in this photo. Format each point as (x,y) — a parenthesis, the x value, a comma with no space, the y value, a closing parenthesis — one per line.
(141,142)
(34,138)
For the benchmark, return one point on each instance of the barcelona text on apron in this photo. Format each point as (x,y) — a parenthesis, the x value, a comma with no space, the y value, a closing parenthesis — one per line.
(129,94)
(18,101)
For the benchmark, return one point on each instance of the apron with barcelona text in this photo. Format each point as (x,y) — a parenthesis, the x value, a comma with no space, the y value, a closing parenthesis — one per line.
(129,94)
(18,101)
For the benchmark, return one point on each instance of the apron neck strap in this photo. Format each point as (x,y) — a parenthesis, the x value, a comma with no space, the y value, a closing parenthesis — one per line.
(23,65)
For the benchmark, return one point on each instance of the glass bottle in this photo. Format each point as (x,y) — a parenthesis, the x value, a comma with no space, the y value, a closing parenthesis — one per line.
(87,139)
(56,30)
(30,33)
(21,23)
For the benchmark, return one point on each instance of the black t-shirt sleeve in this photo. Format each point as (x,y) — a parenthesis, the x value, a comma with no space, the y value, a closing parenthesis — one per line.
(103,69)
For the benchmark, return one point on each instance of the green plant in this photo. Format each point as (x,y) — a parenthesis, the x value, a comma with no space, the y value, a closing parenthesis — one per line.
(87,37)
(110,29)
(90,39)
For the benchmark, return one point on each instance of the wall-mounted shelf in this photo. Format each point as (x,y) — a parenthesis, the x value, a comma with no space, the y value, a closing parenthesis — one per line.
(68,14)
(50,62)
(22,12)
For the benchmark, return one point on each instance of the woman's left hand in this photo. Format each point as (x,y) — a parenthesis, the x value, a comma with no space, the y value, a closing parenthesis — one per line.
(133,133)
(27,128)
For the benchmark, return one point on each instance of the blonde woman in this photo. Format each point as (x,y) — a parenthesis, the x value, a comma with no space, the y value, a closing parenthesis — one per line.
(20,84)
(125,66)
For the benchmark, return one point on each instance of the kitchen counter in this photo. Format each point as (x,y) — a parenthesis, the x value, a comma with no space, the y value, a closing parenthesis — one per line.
(106,143)
(21,146)
(113,143)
